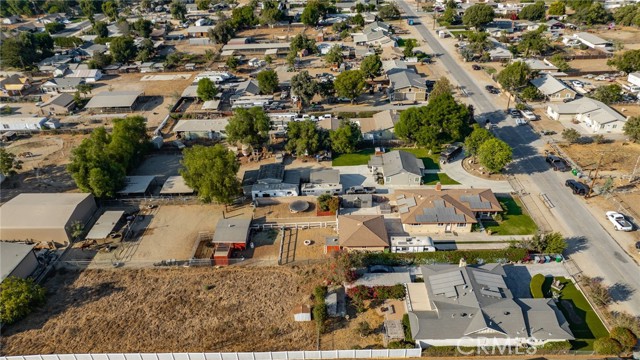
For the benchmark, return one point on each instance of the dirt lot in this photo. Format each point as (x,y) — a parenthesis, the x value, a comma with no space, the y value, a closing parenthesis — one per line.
(625,34)
(619,158)
(168,310)
(590,65)
(343,334)
(267,245)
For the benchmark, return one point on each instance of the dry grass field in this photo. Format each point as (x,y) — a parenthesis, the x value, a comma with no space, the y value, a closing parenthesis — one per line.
(169,310)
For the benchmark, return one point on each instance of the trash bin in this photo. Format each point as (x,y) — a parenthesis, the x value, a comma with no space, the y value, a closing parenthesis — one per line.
(574,171)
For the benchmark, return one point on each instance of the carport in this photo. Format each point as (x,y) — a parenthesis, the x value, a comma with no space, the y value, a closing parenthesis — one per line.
(105,225)
(136,185)
(175,185)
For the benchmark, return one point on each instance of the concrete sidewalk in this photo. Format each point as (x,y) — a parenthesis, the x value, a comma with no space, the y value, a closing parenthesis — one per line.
(455,171)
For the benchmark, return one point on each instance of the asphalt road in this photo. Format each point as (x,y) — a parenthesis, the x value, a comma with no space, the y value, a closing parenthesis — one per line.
(591,247)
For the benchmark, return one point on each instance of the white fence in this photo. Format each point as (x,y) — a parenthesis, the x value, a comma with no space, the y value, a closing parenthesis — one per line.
(275,355)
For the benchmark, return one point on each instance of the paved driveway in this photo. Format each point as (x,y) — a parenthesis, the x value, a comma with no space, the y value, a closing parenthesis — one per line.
(357,175)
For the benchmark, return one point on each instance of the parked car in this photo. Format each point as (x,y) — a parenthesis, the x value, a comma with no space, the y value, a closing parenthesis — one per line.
(520,121)
(577,83)
(476,67)
(619,222)
(529,115)
(492,89)
(547,132)
(450,152)
(361,190)
(577,187)
(638,246)
(557,163)
(515,113)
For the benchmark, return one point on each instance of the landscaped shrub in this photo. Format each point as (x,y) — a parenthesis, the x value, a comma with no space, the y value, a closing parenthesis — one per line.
(400,345)
(18,297)
(377,292)
(536,286)
(327,202)
(320,308)
(607,346)
(437,351)
(625,337)
(557,346)
(625,320)
(447,257)
(406,325)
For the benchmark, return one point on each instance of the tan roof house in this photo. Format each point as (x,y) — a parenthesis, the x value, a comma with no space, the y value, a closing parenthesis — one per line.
(553,89)
(436,211)
(380,126)
(362,232)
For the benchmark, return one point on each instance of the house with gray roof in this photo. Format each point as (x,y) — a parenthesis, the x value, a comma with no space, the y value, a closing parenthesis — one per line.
(553,89)
(398,168)
(60,104)
(407,85)
(595,116)
(61,85)
(274,181)
(472,306)
(376,33)
(591,40)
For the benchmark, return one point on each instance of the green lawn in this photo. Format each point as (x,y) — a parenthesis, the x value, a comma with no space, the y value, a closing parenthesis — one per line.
(515,220)
(358,158)
(585,324)
(444,179)
(430,161)
(401,42)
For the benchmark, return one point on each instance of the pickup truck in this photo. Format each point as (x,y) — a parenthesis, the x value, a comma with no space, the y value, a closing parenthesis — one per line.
(361,190)
(619,222)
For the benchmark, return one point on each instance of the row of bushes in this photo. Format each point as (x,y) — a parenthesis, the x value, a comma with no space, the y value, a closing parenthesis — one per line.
(620,340)
(449,257)
(377,292)
(559,347)
(320,308)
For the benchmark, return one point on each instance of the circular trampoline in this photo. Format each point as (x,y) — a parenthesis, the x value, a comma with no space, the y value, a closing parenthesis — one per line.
(298,206)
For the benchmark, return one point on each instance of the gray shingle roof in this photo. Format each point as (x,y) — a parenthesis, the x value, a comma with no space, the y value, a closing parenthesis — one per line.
(397,161)
(406,78)
(548,85)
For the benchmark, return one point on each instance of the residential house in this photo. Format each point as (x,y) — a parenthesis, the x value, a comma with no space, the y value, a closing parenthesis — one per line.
(553,89)
(398,167)
(15,85)
(380,126)
(246,88)
(329,124)
(500,53)
(473,306)
(199,31)
(201,129)
(27,123)
(359,201)
(595,116)
(362,233)
(555,25)
(61,104)
(89,75)
(409,244)
(542,66)
(391,66)
(634,78)
(61,85)
(61,70)
(376,34)
(323,182)
(590,40)
(274,181)
(407,85)
(91,49)
(51,63)
(437,211)
(10,20)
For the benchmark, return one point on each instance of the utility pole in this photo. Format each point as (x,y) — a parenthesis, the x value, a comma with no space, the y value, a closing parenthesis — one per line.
(595,176)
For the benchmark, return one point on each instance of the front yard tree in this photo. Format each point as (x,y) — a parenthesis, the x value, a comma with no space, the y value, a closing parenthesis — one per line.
(557,8)
(110,9)
(206,89)
(88,9)
(100,28)
(371,66)
(334,56)
(346,137)
(441,87)
(571,135)
(389,12)
(222,32)
(410,123)
(243,17)
(248,126)
(232,63)
(608,94)
(178,10)
(350,84)
(478,136)
(304,138)
(18,297)
(533,12)
(311,14)
(594,14)
(8,163)
(560,62)
(534,42)
(531,93)
(478,15)
(203,4)
(302,42)
(211,171)
(409,45)
(303,85)
(268,81)
(514,76)
(632,128)
(495,154)
(123,49)
(143,27)
(607,346)
(628,61)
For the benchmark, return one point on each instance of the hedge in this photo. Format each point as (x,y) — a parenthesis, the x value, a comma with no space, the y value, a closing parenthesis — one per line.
(556,346)
(406,326)
(536,286)
(450,257)
(607,346)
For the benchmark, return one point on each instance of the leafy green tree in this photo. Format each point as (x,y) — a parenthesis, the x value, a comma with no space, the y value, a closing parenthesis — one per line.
(129,141)
(477,137)
(557,8)
(594,14)
(628,61)
(84,88)
(359,8)
(145,5)
(268,59)
(203,4)
(442,86)
(632,128)
(350,84)
(100,28)
(222,32)
(243,17)
(302,42)
(409,45)
(8,163)
(18,298)
(449,17)
(533,12)
(16,7)
(211,171)
(560,62)
(123,49)
(54,27)
(248,126)
(311,14)
(68,42)
(334,56)
(207,90)
(100,60)
(625,337)
(608,94)
(292,58)
(357,20)
(478,15)
(345,138)
(531,93)
(494,154)
(409,123)
(232,63)
(304,138)
(555,243)
(607,346)
(371,66)
(534,42)
(389,12)
(143,27)
(110,9)
(145,50)
(178,10)
(514,75)
(16,54)
(627,15)
(303,85)
(88,9)
(268,81)
(571,135)
(271,14)
(479,42)
(326,89)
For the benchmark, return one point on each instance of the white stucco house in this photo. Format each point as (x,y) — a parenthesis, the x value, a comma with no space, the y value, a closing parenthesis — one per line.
(595,116)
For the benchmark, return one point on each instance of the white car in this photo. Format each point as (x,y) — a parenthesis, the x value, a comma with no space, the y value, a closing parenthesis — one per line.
(577,83)
(619,222)
(529,115)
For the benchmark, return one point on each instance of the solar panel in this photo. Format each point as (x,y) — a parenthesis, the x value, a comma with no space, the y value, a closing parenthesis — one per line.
(489,280)
(491,293)
(441,215)
(444,284)
(411,202)
(402,201)
(470,198)
(403,209)
(480,205)
(438,203)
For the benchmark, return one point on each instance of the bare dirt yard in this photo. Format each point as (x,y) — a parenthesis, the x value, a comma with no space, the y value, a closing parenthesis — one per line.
(267,245)
(627,35)
(619,158)
(169,310)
